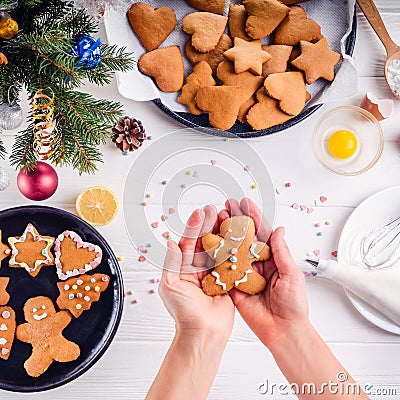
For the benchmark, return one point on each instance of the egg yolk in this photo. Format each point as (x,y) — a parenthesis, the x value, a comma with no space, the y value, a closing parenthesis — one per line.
(342,144)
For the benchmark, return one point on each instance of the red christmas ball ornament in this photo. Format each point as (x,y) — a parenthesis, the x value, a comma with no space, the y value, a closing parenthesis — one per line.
(38,184)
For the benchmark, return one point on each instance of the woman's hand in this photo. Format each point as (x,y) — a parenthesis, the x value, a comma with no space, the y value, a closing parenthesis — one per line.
(180,289)
(282,307)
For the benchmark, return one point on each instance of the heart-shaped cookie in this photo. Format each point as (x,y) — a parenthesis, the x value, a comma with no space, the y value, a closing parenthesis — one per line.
(214,6)
(152,26)
(296,27)
(165,66)
(289,88)
(73,256)
(4,296)
(222,104)
(7,331)
(206,29)
(263,16)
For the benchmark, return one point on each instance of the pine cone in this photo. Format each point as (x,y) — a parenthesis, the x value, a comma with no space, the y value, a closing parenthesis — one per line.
(129,134)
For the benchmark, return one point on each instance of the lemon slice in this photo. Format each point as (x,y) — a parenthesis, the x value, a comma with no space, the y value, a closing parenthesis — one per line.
(97,205)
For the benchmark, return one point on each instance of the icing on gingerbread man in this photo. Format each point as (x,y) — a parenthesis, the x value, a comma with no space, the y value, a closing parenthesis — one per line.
(43,331)
(234,252)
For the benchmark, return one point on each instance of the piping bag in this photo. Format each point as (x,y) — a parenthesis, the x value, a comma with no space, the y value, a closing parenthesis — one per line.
(378,287)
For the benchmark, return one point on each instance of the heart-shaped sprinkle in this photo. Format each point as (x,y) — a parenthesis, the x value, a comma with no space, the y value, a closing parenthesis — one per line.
(303,207)
(166,235)
(196,174)
(4,351)
(6,314)
(171,211)
(317,252)
(3,327)
(213,162)
(322,199)
(334,253)
(295,206)
(154,224)
(142,258)
(183,186)
(141,249)
(310,210)
(164,218)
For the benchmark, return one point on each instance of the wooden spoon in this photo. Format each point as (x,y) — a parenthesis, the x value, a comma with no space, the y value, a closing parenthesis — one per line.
(392,50)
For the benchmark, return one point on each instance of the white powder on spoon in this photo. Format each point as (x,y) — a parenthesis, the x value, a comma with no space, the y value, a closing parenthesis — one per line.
(393,76)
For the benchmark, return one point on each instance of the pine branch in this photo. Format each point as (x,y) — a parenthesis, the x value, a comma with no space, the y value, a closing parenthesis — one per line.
(23,155)
(2,150)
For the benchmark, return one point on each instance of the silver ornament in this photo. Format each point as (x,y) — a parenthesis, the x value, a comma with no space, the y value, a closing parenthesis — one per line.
(4,179)
(10,116)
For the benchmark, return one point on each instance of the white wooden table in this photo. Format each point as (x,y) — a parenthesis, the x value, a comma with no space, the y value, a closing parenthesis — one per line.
(370,354)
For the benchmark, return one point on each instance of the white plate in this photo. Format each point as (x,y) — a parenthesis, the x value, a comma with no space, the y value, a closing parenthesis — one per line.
(377,209)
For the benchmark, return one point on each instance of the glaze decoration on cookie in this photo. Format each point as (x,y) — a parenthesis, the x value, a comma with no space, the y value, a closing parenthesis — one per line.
(73,256)
(7,331)
(77,294)
(31,250)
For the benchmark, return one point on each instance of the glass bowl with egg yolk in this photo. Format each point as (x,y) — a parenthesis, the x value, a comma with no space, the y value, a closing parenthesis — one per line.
(348,140)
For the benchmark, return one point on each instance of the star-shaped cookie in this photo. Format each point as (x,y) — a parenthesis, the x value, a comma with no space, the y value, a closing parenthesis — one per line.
(317,60)
(31,250)
(247,56)
(4,250)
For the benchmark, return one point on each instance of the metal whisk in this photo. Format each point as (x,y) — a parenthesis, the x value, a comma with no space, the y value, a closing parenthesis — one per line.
(381,247)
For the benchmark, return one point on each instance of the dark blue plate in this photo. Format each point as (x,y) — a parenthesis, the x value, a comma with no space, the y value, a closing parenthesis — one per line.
(239,130)
(93,331)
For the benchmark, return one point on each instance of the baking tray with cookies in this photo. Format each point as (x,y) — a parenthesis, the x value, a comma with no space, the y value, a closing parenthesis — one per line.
(237,69)
(61,298)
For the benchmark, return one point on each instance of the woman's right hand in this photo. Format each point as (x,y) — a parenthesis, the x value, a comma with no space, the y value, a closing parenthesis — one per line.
(282,307)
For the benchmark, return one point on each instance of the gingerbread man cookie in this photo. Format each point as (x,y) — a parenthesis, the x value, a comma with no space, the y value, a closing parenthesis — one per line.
(43,331)
(234,252)
(31,250)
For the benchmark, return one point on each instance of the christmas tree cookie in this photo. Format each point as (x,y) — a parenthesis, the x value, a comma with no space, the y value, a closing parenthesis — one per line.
(4,250)
(7,331)
(4,296)
(234,252)
(74,256)
(77,294)
(31,250)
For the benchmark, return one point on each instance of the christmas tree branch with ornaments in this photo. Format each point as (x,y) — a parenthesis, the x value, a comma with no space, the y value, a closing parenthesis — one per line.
(47,47)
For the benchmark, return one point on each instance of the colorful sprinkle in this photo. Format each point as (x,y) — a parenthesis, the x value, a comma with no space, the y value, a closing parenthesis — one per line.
(234,250)
(303,207)
(104,278)
(322,199)
(79,295)
(154,224)
(150,137)
(213,162)
(78,306)
(171,211)
(183,186)
(334,253)
(254,186)
(288,184)
(295,206)
(134,301)
(189,172)
(66,287)
(327,222)
(164,218)
(233,267)
(152,291)
(74,287)
(155,280)
(120,258)
(144,203)
(86,298)
(317,224)
(6,314)
(125,153)
(8,251)
(314,273)
(71,296)
(87,288)
(164,182)
(166,235)
(79,282)
(93,280)
(319,233)
(148,245)
(310,210)
(97,288)
(130,292)
(196,174)
(308,273)
(148,195)
(317,252)
(142,258)
(232,259)
(4,351)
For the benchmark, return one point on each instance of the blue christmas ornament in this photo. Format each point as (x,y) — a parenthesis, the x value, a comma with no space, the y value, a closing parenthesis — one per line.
(88,50)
